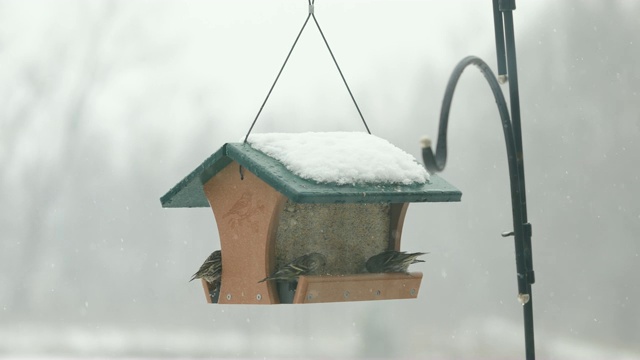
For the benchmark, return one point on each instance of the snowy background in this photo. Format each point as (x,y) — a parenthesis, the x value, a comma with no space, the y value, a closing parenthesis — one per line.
(104,105)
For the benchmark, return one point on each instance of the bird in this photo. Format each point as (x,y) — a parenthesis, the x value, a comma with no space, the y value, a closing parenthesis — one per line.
(303,265)
(211,269)
(391,261)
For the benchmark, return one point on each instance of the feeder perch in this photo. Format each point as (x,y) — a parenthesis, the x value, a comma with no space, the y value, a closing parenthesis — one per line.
(267,216)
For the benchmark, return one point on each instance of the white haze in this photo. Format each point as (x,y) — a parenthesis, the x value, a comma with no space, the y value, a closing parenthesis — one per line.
(104,105)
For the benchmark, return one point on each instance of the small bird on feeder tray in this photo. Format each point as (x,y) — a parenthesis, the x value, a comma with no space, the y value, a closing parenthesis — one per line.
(392,261)
(211,269)
(303,265)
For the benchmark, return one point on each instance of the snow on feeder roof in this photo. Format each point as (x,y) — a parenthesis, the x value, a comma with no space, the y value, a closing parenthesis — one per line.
(281,196)
(340,167)
(341,158)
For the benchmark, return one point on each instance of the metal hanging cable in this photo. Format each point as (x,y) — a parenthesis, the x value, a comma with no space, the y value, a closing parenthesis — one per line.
(311,14)
(340,71)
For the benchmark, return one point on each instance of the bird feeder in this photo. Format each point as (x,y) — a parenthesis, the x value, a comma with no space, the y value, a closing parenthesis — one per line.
(267,215)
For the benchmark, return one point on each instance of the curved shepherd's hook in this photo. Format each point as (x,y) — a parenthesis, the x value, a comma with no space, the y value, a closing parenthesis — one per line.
(522,230)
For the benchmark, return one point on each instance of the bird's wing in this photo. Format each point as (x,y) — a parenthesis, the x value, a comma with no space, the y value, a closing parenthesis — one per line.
(214,258)
(391,256)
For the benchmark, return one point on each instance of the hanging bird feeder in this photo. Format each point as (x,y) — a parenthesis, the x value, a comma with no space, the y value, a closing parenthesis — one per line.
(278,198)
(324,193)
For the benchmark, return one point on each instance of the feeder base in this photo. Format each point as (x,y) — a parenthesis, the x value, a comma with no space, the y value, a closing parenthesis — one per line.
(360,287)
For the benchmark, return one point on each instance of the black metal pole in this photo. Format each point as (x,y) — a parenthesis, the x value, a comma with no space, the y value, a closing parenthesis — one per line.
(507,7)
(435,162)
(499,33)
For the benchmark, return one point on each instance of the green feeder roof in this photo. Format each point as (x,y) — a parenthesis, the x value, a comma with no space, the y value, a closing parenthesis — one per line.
(190,193)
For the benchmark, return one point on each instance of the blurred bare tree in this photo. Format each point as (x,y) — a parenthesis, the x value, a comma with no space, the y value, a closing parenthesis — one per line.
(44,112)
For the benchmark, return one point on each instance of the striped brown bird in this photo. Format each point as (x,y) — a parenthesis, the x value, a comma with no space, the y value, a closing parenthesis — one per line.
(392,261)
(211,269)
(303,265)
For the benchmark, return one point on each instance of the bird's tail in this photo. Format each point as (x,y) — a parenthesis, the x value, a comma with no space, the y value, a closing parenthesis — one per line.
(263,280)
(415,255)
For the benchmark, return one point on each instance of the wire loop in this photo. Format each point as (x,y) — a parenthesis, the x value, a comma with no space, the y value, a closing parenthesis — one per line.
(310,15)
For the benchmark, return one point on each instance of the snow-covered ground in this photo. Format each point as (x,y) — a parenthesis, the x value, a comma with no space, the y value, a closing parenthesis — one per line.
(490,339)
(45,341)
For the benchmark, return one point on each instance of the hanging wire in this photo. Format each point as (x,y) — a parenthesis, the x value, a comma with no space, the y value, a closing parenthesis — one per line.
(340,71)
(311,14)
(277,77)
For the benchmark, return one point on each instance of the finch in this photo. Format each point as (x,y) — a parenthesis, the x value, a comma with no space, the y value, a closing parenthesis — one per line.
(211,269)
(392,261)
(304,265)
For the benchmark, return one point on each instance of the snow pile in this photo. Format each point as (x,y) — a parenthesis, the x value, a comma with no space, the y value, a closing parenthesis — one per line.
(341,157)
